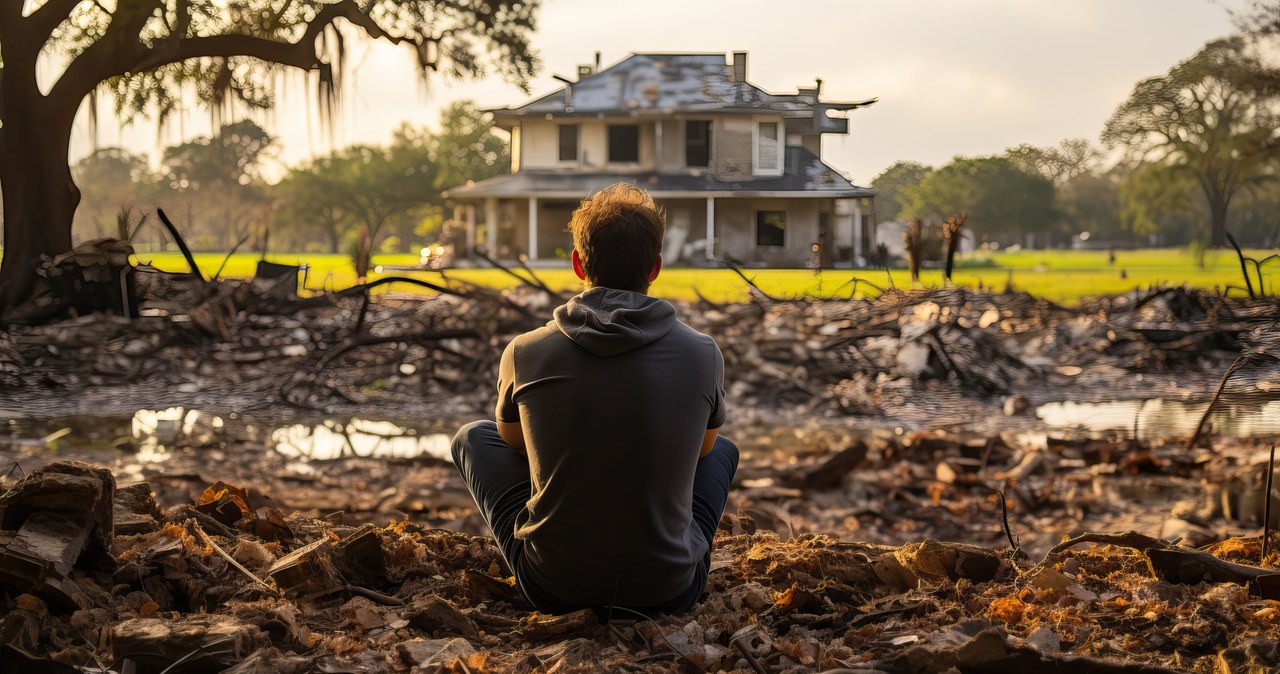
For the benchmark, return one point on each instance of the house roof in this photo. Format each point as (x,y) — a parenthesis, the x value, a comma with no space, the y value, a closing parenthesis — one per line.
(804,176)
(664,84)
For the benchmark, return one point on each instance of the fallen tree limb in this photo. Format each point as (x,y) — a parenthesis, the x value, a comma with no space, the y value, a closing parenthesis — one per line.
(1128,539)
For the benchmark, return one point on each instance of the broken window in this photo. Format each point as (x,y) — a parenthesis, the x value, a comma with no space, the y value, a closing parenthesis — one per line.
(768,149)
(624,143)
(568,142)
(771,228)
(697,143)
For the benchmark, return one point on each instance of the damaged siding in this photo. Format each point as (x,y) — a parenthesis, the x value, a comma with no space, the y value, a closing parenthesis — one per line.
(731,154)
(736,230)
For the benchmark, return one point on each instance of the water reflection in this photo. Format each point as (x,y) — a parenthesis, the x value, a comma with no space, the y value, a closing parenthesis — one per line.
(153,435)
(1157,417)
(357,437)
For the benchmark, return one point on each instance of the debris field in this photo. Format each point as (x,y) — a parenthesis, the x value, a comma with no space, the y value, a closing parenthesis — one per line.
(899,506)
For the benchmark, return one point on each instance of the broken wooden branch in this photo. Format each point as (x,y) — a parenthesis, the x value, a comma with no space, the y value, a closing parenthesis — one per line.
(366,287)
(227,258)
(230,560)
(182,245)
(1266,515)
(483,254)
(1244,269)
(1128,539)
(732,265)
(1235,367)
(1196,566)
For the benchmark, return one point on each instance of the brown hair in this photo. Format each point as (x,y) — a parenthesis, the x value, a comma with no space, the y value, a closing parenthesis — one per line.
(618,235)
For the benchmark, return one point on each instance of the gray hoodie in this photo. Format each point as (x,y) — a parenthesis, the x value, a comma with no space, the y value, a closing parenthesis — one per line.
(615,395)
(608,322)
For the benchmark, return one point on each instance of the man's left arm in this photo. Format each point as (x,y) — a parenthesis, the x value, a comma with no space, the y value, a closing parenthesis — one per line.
(709,441)
(513,434)
(507,412)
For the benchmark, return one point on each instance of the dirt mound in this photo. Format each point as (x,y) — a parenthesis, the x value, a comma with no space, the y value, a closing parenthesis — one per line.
(228,584)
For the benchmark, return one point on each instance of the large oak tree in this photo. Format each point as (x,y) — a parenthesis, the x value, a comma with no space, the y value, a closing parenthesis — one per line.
(1214,116)
(149,54)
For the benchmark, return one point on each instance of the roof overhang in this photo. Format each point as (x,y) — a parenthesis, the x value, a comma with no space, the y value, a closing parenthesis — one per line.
(467,194)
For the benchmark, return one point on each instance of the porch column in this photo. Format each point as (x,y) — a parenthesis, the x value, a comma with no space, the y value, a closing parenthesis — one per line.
(857,228)
(711,228)
(491,225)
(657,139)
(533,228)
(471,230)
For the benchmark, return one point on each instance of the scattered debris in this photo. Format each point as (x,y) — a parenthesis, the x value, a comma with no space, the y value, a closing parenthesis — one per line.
(166,601)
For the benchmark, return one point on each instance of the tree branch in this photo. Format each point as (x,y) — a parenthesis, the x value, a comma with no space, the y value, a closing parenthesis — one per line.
(295,54)
(98,63)
(42,22)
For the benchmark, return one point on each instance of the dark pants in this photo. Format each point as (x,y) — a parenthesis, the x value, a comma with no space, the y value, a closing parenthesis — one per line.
(498,477)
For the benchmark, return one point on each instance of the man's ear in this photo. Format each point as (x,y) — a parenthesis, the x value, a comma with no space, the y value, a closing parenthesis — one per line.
(577,265)
(657,267)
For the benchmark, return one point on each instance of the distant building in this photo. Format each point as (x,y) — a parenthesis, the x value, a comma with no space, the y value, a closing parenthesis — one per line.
(737,169)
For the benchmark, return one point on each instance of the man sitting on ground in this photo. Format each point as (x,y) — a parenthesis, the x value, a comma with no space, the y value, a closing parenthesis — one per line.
(604,478)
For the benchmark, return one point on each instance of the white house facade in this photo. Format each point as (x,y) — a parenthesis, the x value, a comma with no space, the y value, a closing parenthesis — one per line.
(737,170)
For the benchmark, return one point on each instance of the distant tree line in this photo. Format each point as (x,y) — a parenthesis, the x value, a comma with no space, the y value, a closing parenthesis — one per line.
(1194,153)
(217,190)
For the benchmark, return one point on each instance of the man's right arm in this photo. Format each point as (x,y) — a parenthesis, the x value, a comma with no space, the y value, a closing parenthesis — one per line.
(718,412)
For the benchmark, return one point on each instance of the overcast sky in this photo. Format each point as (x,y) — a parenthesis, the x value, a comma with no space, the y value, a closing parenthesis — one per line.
(954,77)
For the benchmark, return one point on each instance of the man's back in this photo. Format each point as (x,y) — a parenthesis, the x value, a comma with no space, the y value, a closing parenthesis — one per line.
(614,397)
(605,474)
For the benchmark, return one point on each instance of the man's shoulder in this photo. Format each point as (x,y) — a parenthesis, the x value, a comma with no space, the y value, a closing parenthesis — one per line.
(684,331)
(543,337)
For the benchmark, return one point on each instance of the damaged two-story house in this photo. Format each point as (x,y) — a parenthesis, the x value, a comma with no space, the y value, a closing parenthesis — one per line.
(738,170)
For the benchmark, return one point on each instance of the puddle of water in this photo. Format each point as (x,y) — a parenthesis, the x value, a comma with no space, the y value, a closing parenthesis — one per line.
(1164,418)
(152,435)
(358,437)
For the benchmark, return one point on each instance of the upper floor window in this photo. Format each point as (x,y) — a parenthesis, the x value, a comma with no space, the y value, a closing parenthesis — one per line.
(697,143)
(624,143)
(771,228)
(568,142)
(768,149)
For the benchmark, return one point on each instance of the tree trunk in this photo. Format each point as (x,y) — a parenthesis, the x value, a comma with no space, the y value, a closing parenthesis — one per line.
(40,197)
(1218,221)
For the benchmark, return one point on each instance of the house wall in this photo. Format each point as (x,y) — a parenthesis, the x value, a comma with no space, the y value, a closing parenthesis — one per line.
(553,229)
(541,145)
(736,230)
(685,238)
(731,146)
(686,229)
(812,142)
(686,234)
(672,155)
(731,139)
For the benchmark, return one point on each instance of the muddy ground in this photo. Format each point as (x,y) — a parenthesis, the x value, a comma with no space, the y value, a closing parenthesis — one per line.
(864,423)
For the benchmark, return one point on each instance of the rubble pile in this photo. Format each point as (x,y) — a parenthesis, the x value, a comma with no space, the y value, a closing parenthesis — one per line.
(235,345)
(227,583)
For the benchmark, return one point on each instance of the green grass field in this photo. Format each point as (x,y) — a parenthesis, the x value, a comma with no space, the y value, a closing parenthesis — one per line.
(1062,276)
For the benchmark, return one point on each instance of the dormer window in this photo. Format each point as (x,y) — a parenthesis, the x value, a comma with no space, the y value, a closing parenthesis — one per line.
(697,143)
(767,146)
(624,143)
(568,142)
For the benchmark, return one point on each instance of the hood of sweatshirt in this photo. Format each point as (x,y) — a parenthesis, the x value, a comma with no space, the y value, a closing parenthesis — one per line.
(608,322)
